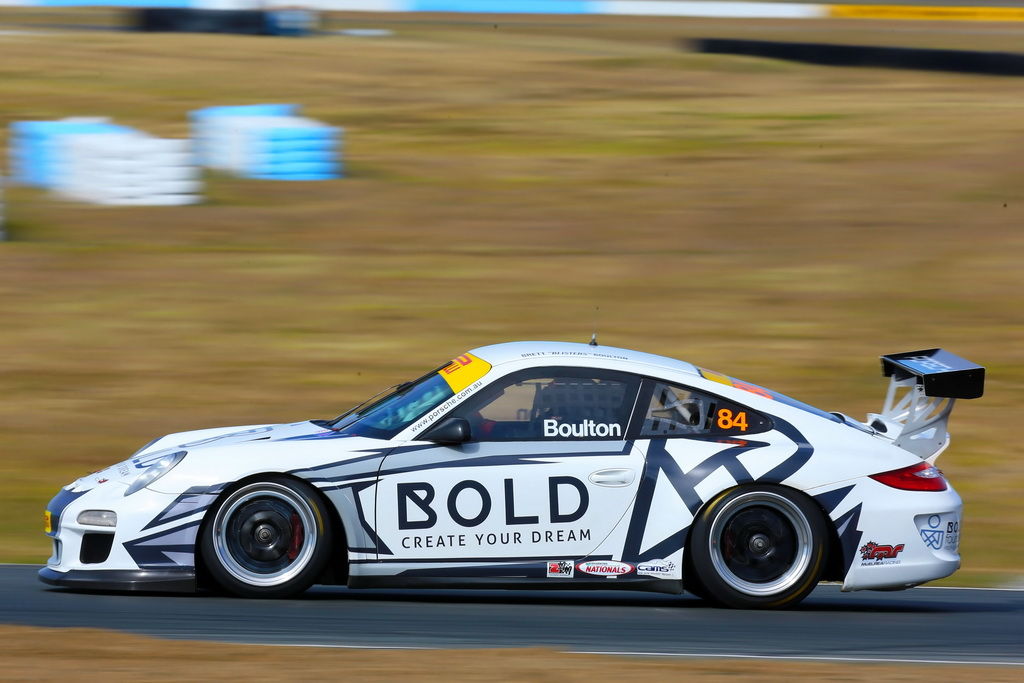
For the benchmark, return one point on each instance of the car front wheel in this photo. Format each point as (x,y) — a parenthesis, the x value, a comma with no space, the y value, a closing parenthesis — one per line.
(268,538)
(759,547)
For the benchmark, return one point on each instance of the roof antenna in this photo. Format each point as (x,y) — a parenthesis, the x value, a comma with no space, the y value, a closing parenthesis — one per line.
(593,337)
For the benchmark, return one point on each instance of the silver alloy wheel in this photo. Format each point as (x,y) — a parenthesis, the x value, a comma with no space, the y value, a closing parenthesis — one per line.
(258,529)
(760,543)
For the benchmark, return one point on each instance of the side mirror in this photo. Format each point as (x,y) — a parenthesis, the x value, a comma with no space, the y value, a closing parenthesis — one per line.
(451,432)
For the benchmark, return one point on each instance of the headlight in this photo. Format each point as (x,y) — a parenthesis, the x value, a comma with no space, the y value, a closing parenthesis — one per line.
(155,471)
(98,517)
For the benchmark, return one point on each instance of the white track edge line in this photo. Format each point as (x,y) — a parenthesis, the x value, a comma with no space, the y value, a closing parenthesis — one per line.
(889,660)
(915,588)
(684,655)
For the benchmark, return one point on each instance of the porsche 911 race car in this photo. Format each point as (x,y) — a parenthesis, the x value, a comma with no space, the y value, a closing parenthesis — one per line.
(540,464)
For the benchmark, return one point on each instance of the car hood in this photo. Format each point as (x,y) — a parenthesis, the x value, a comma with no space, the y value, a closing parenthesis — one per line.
(127,470)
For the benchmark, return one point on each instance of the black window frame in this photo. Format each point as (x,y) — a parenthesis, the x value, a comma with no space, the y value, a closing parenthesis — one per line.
(644,401)
(633,381)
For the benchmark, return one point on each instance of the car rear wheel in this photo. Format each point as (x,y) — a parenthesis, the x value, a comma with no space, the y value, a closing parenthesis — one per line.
(759,547)
(268,538)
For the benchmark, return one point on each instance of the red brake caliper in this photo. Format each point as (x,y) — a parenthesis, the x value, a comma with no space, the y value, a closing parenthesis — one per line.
(297,537)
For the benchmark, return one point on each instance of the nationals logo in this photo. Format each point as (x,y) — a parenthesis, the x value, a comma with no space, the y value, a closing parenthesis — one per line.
(605,568)
(560,569)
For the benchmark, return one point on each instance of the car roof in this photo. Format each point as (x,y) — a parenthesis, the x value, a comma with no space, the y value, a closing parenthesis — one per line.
(565,353)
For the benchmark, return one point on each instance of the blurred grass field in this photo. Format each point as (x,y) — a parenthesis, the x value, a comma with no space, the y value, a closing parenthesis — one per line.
(516,178)
(95,655)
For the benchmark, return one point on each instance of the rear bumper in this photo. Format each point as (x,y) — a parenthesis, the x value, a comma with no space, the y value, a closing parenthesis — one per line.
(155,580)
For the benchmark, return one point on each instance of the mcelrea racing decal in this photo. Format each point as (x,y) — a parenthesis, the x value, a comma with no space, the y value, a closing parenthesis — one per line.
(872,553)
(560,569)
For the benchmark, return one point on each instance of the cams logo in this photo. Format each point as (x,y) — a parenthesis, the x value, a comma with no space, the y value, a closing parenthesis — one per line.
(560,569)
(656,568)
(872,553)
(587,428)
(605,568)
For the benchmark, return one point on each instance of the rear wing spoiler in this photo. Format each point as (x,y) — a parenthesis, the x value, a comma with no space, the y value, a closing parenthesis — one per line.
(923,387)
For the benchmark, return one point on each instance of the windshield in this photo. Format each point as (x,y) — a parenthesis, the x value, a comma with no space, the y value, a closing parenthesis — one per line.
(386,417)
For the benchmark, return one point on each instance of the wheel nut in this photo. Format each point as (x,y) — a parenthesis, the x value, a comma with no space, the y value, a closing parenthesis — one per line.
(759,543)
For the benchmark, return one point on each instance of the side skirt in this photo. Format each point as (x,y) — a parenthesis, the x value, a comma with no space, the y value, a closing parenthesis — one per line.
(504,583)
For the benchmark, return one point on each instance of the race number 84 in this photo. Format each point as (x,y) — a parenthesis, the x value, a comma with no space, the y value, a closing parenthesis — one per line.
(728,420)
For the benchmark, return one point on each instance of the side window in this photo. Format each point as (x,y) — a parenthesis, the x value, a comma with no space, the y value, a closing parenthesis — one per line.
(553,404)
(678,411)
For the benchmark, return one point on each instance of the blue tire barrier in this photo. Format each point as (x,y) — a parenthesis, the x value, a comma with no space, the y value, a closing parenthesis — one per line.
(35,152)
(93,160)
(268,142)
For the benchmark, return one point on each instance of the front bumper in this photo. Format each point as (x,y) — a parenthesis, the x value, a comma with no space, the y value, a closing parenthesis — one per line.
(150,547)
(155,580)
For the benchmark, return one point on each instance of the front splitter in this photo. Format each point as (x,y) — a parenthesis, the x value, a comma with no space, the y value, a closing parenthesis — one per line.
(148,580)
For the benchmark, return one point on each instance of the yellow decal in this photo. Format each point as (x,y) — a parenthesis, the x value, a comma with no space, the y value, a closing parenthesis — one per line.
(47,521)
(715,377)
(463,371)
(940,13)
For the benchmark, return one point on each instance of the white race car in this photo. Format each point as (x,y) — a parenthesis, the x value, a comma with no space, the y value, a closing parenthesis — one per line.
(540,464)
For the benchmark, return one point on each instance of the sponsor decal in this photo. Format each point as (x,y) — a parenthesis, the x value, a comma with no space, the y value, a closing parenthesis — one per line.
(588,428)
(605,568)
(417,509)
(421,507)
(429,418)
(932,538)
(872,553)
(933,535)
(482,540)
(463,371)
(656,568)
(102,481)
(560,569)
(939,532)
(953,535)
(925,364)
(47,521)
(588,354)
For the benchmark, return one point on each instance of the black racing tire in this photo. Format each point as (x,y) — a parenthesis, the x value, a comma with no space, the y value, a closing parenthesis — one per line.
(758,547)
(268,538)
(691,580)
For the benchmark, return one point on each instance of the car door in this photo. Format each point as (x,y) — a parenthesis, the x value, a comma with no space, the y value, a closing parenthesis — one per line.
(546,475)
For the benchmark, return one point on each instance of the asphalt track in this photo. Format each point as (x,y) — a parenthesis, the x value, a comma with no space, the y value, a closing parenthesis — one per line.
(920,625)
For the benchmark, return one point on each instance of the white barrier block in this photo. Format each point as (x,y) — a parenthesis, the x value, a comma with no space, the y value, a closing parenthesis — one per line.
(127,169)
(730,10)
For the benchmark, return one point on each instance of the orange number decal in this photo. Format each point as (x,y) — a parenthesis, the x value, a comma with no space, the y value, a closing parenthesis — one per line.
(726,420)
